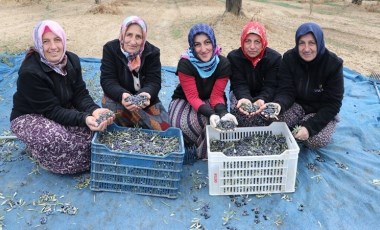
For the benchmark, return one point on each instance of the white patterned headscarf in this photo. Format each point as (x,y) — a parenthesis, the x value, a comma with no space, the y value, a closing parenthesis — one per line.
(134,60)
(54,27)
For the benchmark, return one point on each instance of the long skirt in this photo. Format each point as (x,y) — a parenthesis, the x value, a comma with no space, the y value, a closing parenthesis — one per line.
(244,120)
(153,117)
(192,124)
(57,148)
(295,115)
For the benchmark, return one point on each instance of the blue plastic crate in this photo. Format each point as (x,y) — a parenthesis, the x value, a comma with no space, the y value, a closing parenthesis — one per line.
(190,155)
(137,172)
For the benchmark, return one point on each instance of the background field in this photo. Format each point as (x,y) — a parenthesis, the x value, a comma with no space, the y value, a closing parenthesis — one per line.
(353,32)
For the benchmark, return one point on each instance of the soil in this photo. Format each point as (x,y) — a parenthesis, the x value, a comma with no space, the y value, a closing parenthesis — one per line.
(352,32)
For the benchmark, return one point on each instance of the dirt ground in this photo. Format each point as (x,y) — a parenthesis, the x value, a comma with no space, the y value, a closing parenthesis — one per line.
(352,32)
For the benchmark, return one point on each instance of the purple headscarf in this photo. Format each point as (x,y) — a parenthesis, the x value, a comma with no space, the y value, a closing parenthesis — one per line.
(54,27)
(205,69)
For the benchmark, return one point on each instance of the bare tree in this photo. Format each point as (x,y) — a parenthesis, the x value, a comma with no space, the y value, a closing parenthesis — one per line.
(233,6)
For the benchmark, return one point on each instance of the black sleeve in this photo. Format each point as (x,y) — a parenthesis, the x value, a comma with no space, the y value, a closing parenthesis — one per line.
(82,100)
(152,71)
(221,109)
(285,92)
(206,110)
(331,102)
(109,79)
(239,84)
(38,93)
(269,75)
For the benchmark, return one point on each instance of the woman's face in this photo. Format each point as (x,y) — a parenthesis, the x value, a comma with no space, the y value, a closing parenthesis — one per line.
(52,46)
(203,47)
(307,47)
(133,39)
(253,45)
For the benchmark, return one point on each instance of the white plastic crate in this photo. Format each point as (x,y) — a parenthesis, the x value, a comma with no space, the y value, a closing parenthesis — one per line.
(232,175)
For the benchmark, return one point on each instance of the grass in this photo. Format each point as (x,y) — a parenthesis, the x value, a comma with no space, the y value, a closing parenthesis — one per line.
(328,12)
(340,44)
(280,3)
(286,5)
(176,33)
(332,4)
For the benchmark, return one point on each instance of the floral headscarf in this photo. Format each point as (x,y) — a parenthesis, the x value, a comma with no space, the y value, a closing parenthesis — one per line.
(54,27)
(205,69)
(254,28)
(134,60)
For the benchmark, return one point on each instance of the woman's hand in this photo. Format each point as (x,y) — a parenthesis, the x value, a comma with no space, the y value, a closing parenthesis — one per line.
(261,104)
(104,114)
(271,110)
(127,104)
(229,117)
(93,125)
(214,120)
(302,134)
(241,102)
(256,108)
(147,102)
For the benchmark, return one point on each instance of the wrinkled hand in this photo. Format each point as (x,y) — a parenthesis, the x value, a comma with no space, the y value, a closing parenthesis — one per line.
(214,120)
(147,102)
(302,134)
(100,112)
(128,105)
(271,110)
(261,104)
(93,125)
(229,117)
(242,102)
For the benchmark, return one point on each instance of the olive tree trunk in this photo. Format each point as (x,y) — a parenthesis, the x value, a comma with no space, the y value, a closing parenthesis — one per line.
(233,6)
(357,2)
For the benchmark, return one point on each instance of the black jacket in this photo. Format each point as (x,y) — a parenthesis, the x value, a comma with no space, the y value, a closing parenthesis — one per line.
(116,78)
(317,86)
(63,99)
(254,83)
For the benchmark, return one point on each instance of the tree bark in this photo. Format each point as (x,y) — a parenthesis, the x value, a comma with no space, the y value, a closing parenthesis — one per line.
(357,2)
(97,1)
(233,6)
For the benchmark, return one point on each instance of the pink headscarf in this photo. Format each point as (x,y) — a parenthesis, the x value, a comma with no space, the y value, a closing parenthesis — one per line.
(254,28)
(54,27)
(134,60)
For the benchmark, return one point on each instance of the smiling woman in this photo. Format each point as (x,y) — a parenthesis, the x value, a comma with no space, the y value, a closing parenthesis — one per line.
(199,98)
(53,46)
(203,47)
(254,68)
(53,113)
(311,87)
(130,72)
(133,39)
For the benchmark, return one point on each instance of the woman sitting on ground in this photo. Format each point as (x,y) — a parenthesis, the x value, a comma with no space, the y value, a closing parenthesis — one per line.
(311,87)
(53,113)
(131,78)
(254,75)
(199,99)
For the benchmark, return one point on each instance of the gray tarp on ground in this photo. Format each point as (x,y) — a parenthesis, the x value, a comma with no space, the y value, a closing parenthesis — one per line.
(343,192)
